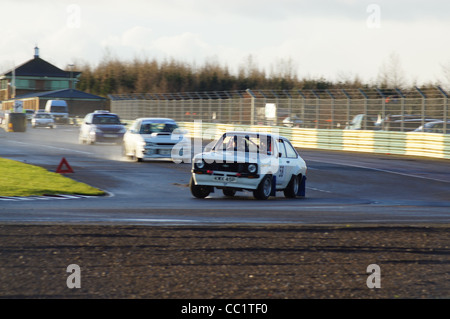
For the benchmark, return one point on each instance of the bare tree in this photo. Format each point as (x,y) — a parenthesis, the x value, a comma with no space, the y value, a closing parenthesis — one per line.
(391,73)
(284,68)
(446,73)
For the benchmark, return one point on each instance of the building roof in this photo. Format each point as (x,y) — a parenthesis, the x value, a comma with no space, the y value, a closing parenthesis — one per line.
(62,94)
(40,68)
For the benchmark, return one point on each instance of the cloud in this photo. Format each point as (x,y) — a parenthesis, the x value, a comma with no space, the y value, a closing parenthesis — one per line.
(186,44)
(137,37)
(321,37)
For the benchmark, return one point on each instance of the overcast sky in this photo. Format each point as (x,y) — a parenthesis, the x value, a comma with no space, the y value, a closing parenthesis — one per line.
(334,39)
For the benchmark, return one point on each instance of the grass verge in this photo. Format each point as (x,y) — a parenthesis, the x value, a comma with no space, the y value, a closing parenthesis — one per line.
(19,179)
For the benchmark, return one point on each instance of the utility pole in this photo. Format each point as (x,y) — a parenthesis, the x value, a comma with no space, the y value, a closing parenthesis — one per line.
(13,82)
(71,76)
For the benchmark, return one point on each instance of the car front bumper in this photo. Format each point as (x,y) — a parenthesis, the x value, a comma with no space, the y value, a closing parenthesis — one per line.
(108,137)
(227,180)
(179,152)
(157,152)
(45,124)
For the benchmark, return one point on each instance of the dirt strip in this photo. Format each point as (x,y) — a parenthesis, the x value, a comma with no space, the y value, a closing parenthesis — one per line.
(256,262)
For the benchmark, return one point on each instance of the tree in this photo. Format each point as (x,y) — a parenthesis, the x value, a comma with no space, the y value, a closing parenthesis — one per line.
(391,74)
(446,72)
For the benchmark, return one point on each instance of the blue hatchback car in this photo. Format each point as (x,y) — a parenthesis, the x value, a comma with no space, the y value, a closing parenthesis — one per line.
(103,127)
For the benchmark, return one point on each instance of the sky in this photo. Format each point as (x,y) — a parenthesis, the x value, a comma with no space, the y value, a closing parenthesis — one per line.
(334,39)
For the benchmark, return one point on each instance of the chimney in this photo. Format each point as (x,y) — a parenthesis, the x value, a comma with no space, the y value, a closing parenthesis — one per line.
(36,52)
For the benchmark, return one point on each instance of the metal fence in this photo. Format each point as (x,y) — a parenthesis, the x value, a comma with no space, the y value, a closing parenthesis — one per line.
(365,109)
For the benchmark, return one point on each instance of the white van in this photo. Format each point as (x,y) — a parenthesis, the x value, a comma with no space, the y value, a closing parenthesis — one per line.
(59,110)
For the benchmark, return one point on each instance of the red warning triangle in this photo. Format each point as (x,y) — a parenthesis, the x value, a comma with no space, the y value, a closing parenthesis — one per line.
(60,169)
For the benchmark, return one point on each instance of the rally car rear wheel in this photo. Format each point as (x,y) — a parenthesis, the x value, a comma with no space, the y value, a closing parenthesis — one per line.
(292,188)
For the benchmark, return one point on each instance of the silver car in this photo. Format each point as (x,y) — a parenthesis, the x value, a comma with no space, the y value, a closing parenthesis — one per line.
(434,127)
(42,119)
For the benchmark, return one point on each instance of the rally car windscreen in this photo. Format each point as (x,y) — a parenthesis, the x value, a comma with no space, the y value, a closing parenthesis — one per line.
(258,144)
(150,128)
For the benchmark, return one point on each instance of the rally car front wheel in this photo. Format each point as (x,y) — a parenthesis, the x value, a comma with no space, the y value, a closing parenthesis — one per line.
(264,188)
(199,191)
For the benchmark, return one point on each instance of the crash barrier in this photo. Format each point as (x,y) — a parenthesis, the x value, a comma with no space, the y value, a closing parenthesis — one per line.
(399,143)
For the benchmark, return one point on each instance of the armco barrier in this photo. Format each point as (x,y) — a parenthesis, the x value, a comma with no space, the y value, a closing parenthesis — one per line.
(399,143)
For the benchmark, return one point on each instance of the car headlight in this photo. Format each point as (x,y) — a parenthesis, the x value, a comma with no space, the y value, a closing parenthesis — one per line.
(199,164)
(252,168)
(123,130)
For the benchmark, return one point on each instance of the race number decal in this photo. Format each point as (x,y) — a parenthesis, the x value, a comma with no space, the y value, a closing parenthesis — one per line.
(280,172)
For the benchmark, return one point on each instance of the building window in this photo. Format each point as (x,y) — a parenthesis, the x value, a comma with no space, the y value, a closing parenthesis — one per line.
(25,84)
(3,84)
(56,85)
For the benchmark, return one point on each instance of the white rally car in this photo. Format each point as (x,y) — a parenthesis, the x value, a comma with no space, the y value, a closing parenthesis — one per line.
(153,138)
(258,162)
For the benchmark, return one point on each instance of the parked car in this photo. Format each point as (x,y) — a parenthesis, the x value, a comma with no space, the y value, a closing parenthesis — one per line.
(249,161)
(406,122)
(362,121)
(2,117)
(292,121)
(434,127)
(42,119)
(154,138)
(29,114)
(103,127)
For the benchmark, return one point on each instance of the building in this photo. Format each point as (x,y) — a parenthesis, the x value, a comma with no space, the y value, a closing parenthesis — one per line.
(35,75)
(80,103)
(36,81)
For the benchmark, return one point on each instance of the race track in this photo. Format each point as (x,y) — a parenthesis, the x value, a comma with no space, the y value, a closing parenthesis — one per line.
(342,187)
(151,239)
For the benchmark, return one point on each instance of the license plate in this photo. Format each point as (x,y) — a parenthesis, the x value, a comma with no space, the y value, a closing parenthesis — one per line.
(228,179)
(164,152)
(110,135)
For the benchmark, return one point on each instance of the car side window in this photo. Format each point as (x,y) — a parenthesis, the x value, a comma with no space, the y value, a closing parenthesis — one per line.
(290,151)
(281,148)
(146,128)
